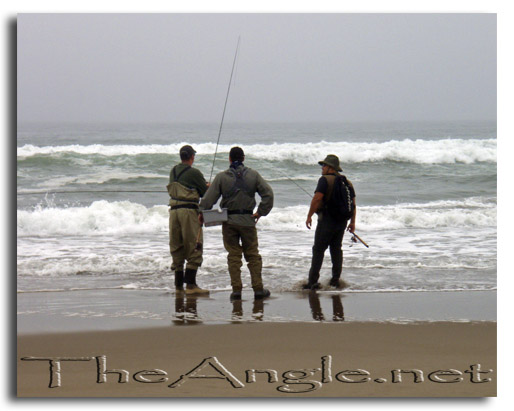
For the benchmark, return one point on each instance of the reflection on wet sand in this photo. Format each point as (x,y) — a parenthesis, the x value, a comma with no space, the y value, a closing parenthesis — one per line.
(317,313)
(186,311)
(257,310)
(237,310)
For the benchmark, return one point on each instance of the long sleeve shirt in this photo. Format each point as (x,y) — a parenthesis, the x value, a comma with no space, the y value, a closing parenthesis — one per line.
(239,200)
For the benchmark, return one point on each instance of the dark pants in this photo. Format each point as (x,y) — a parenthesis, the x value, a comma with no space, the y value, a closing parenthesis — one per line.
(329,234)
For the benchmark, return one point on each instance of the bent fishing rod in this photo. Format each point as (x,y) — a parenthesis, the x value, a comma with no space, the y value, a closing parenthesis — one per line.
(225,107)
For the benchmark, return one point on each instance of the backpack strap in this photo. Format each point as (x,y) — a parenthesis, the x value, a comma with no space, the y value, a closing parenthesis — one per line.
(239,184)
(175,177)
(330,181)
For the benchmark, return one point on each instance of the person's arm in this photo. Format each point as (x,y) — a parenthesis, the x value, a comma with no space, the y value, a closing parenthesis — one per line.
(317,200)
(266,193)
(351,226)
(200,184)
(316,203)
(212,195)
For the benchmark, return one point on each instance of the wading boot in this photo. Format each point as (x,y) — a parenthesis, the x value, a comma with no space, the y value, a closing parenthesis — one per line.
(191,287)
(179,281)
(334,282)
(262,293)
(309,286)
(235,295)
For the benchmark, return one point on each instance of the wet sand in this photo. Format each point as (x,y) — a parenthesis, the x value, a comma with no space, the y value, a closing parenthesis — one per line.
(301,359)
(93,310)
(325,351)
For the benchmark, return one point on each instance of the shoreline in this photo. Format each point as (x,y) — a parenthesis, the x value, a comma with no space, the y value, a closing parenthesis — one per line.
(92,310)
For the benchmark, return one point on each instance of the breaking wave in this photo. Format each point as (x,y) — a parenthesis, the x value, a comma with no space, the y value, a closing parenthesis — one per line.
(445,151)
(124,217)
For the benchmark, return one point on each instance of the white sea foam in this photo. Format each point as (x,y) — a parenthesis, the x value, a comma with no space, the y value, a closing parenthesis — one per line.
(419,151)
(124,217)
(94,178)
(101,217)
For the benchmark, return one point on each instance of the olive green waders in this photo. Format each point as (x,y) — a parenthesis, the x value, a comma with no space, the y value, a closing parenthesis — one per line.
(238,241)
(185,232)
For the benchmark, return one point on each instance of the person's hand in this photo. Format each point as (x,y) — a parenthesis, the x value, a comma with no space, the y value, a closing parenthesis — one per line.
(351,227)
(200,219)
(308,223)
(256,216)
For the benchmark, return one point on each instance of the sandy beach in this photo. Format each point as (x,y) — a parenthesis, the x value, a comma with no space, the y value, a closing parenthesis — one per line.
(320,360)
(253,354)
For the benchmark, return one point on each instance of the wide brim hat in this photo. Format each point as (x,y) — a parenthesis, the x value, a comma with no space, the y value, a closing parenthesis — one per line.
(332,161)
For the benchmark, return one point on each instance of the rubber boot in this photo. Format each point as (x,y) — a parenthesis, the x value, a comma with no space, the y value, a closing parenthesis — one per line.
(312,282)
(235,295)
(179,280)
(259,294)
(191,287)
(334,282)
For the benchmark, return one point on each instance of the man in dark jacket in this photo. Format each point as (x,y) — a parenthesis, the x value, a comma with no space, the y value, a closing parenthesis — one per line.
(237,186)
(331,225)
(185,188)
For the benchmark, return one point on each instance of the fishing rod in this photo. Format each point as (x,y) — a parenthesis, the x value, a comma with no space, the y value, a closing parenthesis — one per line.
(225,107)
(356,237)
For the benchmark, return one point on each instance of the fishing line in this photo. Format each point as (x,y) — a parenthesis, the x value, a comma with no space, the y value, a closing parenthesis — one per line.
(292,181)
(225,107)
(89,191)
(296,184)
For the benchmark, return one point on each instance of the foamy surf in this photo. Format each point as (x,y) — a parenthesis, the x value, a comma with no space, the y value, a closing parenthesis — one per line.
(125,217)
(445,151)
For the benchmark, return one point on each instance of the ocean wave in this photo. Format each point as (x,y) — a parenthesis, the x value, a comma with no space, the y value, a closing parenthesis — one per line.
(96,178)
(101,217)
(445,151)
(471,212)
(124,217)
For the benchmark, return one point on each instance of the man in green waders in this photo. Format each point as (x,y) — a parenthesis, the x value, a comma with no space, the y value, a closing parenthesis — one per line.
(237,187)
(186,186)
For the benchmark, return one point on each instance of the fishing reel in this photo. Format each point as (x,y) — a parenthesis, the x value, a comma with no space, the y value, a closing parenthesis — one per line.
(355,238)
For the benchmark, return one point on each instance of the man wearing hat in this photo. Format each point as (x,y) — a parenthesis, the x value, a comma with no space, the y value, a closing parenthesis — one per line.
(185,188)
(237,187)
(331,222)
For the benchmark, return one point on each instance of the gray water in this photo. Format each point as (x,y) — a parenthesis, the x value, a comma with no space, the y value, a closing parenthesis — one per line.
(426,197)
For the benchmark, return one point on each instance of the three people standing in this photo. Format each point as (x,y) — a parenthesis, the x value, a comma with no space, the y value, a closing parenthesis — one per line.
(333,201)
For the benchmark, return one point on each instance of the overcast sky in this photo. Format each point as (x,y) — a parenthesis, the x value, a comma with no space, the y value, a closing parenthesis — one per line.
(291,67)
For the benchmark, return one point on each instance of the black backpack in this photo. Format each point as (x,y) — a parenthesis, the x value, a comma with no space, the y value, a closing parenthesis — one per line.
(339,202)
